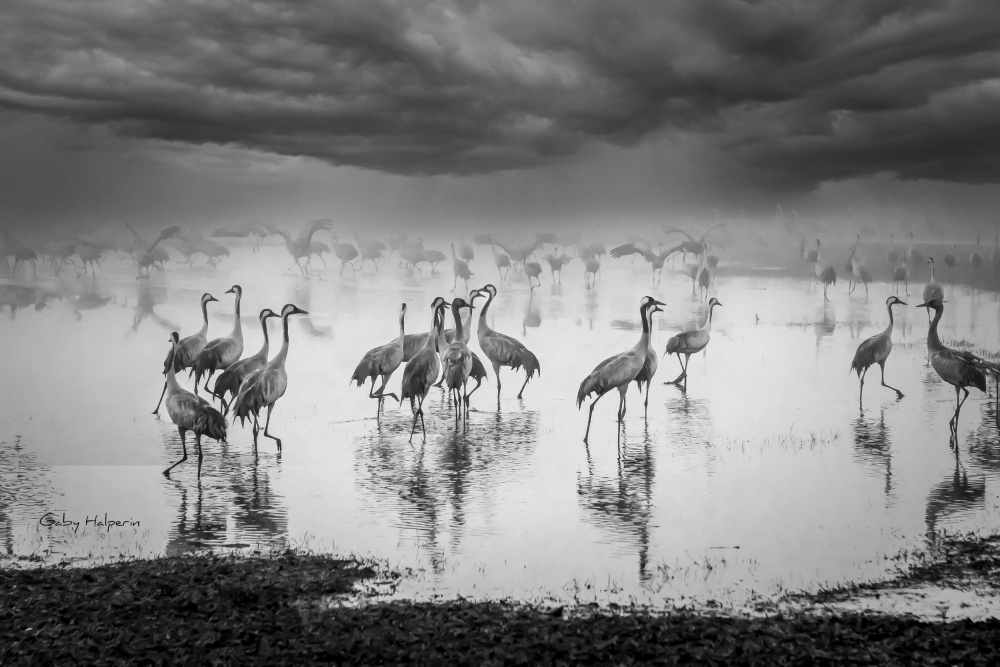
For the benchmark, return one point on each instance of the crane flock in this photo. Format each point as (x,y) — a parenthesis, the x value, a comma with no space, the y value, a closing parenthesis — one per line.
(443,357)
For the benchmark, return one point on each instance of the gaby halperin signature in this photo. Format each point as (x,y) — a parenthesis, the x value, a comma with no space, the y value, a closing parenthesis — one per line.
(104,522)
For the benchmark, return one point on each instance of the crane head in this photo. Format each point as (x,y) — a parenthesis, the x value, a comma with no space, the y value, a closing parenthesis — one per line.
(235,289)
(291,309)
(714,302)
(935,304)
(206,297)
(893,300)
(266,313)
(174,338)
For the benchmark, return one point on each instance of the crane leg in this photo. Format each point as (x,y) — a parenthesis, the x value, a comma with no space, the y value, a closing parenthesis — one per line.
(899,394)
(183,432)
(267,423)
(197,441)
(496,369)
(861,393)
(621,404)
(156,410)
(590,416)
(523,386)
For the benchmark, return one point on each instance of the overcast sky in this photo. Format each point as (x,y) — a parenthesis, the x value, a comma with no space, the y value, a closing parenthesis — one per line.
(480,113)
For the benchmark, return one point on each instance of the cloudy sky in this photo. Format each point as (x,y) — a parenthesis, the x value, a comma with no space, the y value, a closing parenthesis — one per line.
(500,112)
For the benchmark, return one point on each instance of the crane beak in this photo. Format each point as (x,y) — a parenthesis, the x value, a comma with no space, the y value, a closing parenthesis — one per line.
(903,302)
(229,291)
(212,298)
(921,305)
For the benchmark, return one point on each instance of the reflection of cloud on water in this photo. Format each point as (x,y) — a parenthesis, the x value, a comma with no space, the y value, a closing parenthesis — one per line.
(873,446)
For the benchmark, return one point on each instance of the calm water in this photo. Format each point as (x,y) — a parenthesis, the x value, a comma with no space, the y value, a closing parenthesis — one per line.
(765,476)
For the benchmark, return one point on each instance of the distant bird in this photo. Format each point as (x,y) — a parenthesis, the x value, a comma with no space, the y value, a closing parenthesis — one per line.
(975,257)
(655,259)
(556,263)
(950,259)
(317,248)
(501,259)
(184,355)
(533,270)
(434,257)
(959,369)
(382,361)
(346,253)
(826,274)
(619,371)
(229,380)
(502,350)
(705,277)
(591,267)
(264,387)
(298,247)
(220,353)
(932,290)
(892,255)
(860,273)
(466,252)
(153,254)
(369,249)
(190,413)
(901,274)
(690,342)
(995,253)
(456,363)
(913,257)
(460,267)
(875,350)
(422,370)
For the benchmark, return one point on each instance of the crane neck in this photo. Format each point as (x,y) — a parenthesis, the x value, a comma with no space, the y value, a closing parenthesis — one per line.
(402,333)
(456,312)
(888,329)
(430,343)
(708,322)
(266,345)
(933,341)
(172,385)
(237,325)
(482,314)
(643,343)
(932,274)
(279,359)
(204,318)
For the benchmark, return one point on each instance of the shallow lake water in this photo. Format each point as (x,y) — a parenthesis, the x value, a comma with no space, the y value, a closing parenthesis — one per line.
(764,476)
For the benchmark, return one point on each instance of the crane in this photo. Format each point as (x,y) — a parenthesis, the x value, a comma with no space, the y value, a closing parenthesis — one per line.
(346,253)
(826,274)
(190,413)
(690,342)
(229,380)
(860,272)
(875,350)
(959,369)
(533,270)
(298,247)
(423,369)
(220,353)
(501,259)
(502,350)
(183,355)
(655,259)
(975,257)
(456,362)
(264,387)
(369,249)
(932,290)
(460,267)
(619,371)
(382,361)
(556,263)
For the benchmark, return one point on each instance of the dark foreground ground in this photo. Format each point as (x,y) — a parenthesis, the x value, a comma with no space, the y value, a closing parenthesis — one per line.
(276,610)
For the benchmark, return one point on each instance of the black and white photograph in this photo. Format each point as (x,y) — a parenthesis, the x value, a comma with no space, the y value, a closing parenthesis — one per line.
(507,332)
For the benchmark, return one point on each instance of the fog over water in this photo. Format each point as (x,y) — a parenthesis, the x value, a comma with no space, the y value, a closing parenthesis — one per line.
(150,156)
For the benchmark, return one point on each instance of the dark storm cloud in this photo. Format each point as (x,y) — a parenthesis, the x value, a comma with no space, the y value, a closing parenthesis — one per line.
(790,94)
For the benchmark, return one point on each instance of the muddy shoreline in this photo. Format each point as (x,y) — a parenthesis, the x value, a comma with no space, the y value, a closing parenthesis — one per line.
(301,608)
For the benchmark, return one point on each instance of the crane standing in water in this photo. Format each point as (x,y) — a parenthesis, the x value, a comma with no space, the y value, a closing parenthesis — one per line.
(299,247)
(221,353)
(190,413)
(619,371)
(382,361)
(690,342)
(826,274)
(229,380)
(501,349)
(456,363)
(932,290)
(264,387)
(186,352)
(959,369)
(875,350)
(423,369)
